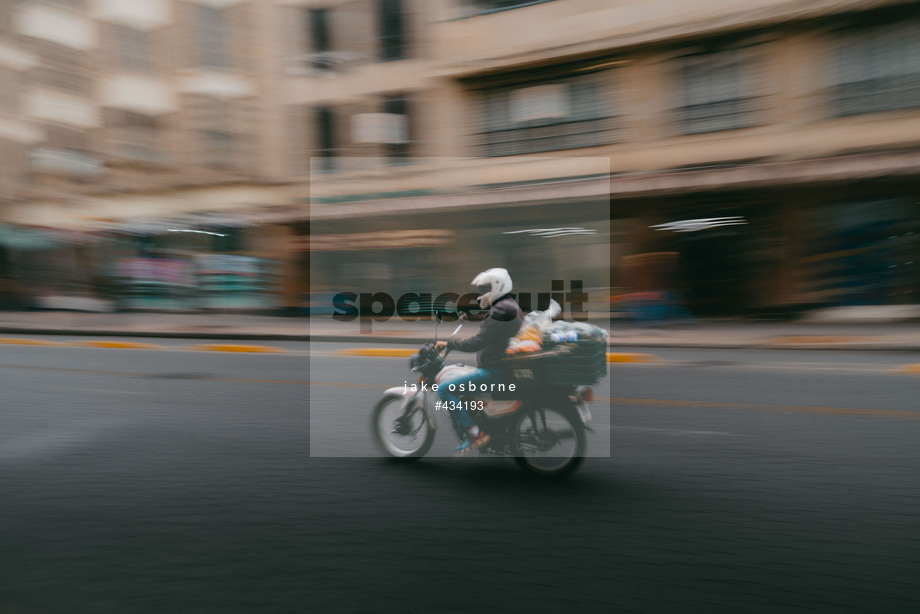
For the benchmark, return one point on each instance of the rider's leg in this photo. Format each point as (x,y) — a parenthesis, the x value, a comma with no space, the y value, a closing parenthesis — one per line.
(461,419)
(448,390)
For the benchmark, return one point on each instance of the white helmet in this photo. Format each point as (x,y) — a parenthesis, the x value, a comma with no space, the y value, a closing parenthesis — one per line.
(493,284)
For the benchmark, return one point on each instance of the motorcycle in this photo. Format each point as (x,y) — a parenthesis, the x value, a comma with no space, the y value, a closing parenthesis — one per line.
(543,427)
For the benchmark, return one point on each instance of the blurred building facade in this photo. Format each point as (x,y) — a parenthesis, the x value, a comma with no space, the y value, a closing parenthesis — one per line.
(404,145)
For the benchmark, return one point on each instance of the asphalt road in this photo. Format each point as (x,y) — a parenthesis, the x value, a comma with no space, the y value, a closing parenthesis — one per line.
(181,481)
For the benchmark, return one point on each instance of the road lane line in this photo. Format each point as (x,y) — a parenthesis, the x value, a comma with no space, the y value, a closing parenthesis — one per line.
(204,378)
(648,429)
(380,352)
(666,403)
(227,347)
(44,342)
(255,380)
(72,370)
(818,339)
(798,409)
(765,407)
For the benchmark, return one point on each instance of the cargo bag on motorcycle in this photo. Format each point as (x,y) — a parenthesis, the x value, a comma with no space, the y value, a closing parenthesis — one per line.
(572,354)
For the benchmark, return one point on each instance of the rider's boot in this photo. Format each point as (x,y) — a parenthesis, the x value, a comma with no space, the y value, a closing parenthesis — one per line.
(474,439)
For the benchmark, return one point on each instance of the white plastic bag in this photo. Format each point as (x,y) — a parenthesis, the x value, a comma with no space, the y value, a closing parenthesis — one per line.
(530,336)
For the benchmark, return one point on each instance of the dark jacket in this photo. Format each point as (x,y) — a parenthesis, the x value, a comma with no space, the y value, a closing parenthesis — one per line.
(500,325)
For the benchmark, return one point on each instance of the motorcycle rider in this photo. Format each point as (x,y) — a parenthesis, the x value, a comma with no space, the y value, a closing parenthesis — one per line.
(502,322)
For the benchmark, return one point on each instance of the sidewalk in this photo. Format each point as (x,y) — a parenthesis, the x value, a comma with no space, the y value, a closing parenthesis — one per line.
(726,334)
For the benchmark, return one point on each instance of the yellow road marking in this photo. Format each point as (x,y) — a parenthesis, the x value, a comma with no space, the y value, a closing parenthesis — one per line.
(405,353)
(132,345)
(638,358)
(913,369)
(98,343)
(223,347)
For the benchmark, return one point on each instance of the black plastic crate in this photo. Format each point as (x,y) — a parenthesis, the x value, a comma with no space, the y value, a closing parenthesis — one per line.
(566,364)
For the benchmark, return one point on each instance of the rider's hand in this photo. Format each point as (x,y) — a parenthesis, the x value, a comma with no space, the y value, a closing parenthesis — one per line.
(441,346)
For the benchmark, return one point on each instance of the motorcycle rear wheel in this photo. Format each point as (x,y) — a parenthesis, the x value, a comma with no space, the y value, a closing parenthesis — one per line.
(556,450)
(405,437)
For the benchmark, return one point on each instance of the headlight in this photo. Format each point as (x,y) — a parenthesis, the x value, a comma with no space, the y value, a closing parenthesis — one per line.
(413,361)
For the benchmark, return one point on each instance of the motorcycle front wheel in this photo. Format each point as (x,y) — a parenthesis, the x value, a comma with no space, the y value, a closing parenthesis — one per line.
(399,432)
(549,442)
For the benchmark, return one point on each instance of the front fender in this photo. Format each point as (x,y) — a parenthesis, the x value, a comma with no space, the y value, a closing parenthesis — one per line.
(409,398)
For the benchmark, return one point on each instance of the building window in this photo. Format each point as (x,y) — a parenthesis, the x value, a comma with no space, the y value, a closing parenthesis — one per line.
(320,37)
(397,150)
(325,138)
(12,169)
(65,151)
(67,79)
(63,70)
(876,70)
(219,148)
(719,91)
(6,10)
(134,136)
(9,93)
(132,48)
(392,30)
(384,132)
(567,113)
(212,37)
(222,131)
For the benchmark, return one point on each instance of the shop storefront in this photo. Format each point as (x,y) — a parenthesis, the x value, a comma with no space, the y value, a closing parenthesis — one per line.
(547,246)
(38,263)
(193,264)
(865,252)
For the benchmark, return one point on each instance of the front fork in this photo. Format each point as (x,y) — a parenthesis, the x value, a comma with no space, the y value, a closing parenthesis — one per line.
(415,401)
